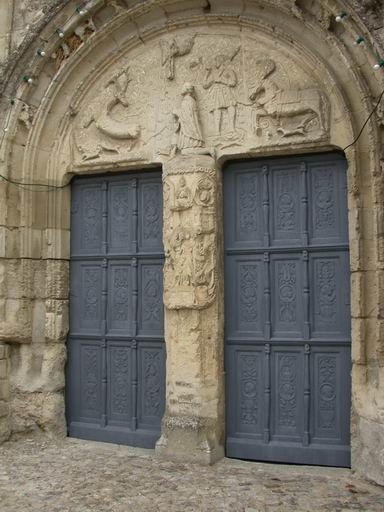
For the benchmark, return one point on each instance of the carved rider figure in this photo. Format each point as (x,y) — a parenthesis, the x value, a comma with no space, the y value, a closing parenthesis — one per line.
(263,91)
(221,79)
(293,111)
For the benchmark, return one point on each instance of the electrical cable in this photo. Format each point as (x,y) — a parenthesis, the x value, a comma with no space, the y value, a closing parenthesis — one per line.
(366,121)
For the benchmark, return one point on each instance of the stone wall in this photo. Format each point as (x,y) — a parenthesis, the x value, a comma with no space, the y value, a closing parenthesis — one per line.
(59,131)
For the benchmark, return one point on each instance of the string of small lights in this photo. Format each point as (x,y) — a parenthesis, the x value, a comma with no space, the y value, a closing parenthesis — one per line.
(81,10)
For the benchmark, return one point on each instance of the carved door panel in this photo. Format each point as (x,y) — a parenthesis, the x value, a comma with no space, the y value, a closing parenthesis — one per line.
(116,354)
(287,321)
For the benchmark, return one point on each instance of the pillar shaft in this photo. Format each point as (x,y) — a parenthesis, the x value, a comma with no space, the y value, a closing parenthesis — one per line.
(193,424)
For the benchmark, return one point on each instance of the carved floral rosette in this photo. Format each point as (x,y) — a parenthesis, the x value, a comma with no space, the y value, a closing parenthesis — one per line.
(189,237)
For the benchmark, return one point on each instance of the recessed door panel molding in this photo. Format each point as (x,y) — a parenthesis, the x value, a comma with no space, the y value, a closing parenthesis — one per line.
(116,354)
(287,303)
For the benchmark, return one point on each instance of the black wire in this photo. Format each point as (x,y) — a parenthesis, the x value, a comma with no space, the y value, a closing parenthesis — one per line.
(26,186)
(366,121)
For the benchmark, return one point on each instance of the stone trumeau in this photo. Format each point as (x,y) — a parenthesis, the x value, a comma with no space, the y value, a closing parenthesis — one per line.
(185,86)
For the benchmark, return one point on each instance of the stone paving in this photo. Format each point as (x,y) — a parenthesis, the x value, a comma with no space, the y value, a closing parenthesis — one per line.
(69,475)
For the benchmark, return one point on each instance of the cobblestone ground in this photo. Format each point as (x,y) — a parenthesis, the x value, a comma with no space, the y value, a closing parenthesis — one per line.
(40,475)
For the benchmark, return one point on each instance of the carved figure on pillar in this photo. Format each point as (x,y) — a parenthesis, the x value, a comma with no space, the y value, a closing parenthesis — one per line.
(189,234)
(183,198)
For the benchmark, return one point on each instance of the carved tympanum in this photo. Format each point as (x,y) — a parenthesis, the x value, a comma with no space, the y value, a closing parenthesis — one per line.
(240,94)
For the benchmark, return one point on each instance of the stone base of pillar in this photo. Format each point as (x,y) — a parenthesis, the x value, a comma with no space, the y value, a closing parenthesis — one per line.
(190,440)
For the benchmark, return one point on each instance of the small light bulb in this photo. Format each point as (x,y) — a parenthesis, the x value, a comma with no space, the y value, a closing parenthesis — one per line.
(81,11)
(340,17)
(28,79)
(41,52)
(359,40)
(5,129)
(379,64)
(60,33)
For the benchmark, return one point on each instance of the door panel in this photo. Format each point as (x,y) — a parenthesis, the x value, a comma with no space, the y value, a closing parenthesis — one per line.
(287,310)
(116,356)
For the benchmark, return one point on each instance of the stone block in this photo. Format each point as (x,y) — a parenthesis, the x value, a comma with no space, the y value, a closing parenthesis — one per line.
(31,412)
(16,320)
(38,367)
(57,279)
(56,321)
(368,450)
(4,389)
(357,293)
(5,431)
(4,409)
(56,244)
(9,242)
(3,369)
(358,341)
(4,351)
(38,321)
(191,439)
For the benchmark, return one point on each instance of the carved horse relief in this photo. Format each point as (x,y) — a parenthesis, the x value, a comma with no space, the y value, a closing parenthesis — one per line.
(286,112)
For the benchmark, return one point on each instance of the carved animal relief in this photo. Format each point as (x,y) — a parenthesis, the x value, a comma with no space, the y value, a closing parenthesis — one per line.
(282,114)
(105,129)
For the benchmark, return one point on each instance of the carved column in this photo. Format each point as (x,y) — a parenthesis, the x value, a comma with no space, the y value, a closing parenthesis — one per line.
(193,424)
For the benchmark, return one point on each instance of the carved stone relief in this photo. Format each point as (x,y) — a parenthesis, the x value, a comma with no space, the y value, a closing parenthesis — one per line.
(73,42)
(26,115)
(220,81)
(189,137)
(170,49)
(183,99)
(30,11)
(105,128)
(284,112)
(189,237)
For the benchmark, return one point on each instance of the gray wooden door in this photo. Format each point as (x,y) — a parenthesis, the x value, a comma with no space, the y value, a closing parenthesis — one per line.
(287,318)
(116,355)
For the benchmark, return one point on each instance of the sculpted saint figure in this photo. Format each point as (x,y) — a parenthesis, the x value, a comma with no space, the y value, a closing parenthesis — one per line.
(220,80)
(183,195)
(189,135)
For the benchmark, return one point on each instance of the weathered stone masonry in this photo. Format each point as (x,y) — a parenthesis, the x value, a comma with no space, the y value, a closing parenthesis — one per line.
(130,86)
